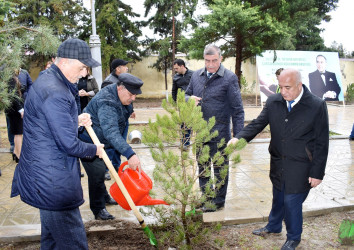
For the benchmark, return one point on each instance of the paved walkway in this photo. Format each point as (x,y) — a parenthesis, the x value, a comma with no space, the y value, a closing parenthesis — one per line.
(249,192)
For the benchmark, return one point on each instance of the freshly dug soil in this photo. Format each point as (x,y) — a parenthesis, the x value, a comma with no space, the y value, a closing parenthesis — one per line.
(319,232)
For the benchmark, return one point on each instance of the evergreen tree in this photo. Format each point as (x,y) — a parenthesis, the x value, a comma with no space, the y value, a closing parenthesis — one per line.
(118,33)
(247,28)
(170,19)
(15,41)
(176,171)
(64,17)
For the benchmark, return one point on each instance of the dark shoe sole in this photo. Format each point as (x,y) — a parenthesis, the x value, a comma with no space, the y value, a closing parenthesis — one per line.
(108,218)
(263,234)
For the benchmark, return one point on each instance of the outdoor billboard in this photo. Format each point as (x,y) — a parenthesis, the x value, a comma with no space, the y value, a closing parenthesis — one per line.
(320,72)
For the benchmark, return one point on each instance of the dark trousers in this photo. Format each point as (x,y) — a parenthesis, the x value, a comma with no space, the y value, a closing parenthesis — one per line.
(186,135)
(352,133)
(62,230)
(9,134)
(289,208)
(95,170)
(113,154)
(220,194)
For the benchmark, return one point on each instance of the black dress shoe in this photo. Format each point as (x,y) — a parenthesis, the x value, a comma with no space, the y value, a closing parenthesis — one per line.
(110,201)
(290,244)
(104,215)
(262,231)
(107,176)
(210,209)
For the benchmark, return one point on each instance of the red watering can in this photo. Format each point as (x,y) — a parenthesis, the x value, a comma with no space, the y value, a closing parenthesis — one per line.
(138,185)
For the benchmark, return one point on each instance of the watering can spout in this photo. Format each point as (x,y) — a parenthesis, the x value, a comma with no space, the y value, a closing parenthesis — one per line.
(148,201)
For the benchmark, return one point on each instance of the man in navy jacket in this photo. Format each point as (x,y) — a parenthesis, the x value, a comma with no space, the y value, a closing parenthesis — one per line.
(48,174)
(299,129)
(110,110)
(216,89)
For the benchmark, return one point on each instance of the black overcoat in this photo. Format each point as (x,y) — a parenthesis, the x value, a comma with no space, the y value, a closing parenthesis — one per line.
(299,140)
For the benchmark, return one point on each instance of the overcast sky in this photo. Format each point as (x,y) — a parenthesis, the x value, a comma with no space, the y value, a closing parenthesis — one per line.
(339,29)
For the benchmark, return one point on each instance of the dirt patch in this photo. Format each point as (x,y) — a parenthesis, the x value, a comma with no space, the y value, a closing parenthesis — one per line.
(319,232)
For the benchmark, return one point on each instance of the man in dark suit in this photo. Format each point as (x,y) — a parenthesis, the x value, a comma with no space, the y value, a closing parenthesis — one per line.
(323,83)
(299,147)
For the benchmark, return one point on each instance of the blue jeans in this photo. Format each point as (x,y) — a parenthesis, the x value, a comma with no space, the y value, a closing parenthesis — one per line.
(62,230)
(289,208)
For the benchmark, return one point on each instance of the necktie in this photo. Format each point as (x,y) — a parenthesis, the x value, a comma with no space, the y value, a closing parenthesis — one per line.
(209,74)
(323,78)
(289,107)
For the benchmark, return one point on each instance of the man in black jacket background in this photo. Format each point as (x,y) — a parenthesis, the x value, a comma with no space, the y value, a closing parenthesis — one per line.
(180,81)
(299,129)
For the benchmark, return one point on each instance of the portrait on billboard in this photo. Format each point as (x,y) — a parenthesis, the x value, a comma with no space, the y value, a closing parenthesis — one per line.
(320,72)
(324,83)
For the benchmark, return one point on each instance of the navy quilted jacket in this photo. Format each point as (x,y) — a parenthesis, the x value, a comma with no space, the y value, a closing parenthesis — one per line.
(48,174)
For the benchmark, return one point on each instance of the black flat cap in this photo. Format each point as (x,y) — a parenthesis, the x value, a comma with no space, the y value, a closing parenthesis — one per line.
(131,83)
(117,62)
(77,49)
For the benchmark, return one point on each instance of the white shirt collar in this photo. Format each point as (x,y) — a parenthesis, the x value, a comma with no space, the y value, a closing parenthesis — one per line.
(297,99)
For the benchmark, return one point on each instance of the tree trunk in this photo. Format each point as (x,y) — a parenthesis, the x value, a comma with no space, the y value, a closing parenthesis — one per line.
(166,63)
(238,71)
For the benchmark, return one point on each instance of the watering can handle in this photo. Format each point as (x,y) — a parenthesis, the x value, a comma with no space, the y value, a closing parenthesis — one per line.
(119,182)
(120,170)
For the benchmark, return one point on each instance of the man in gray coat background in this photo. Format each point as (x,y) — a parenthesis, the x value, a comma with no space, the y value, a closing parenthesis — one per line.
(216,89)
(299,129)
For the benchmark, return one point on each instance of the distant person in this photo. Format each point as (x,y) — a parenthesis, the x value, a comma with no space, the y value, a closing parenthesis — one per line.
(47,65)
(118,66)
(216,90)
(298,149)
(181,78)
(88,88)
(48,174)
(270,88)
(14,114)
(110,110)
(277,74)
(180,81)
(25,83)
(324,83)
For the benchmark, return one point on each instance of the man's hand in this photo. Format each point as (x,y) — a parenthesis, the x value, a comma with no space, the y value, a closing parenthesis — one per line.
(132,115)
(232,141)
(85,119)
(330,94)
(134,162)
(197,99)
(82,92)
(314,182)
(99,151)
